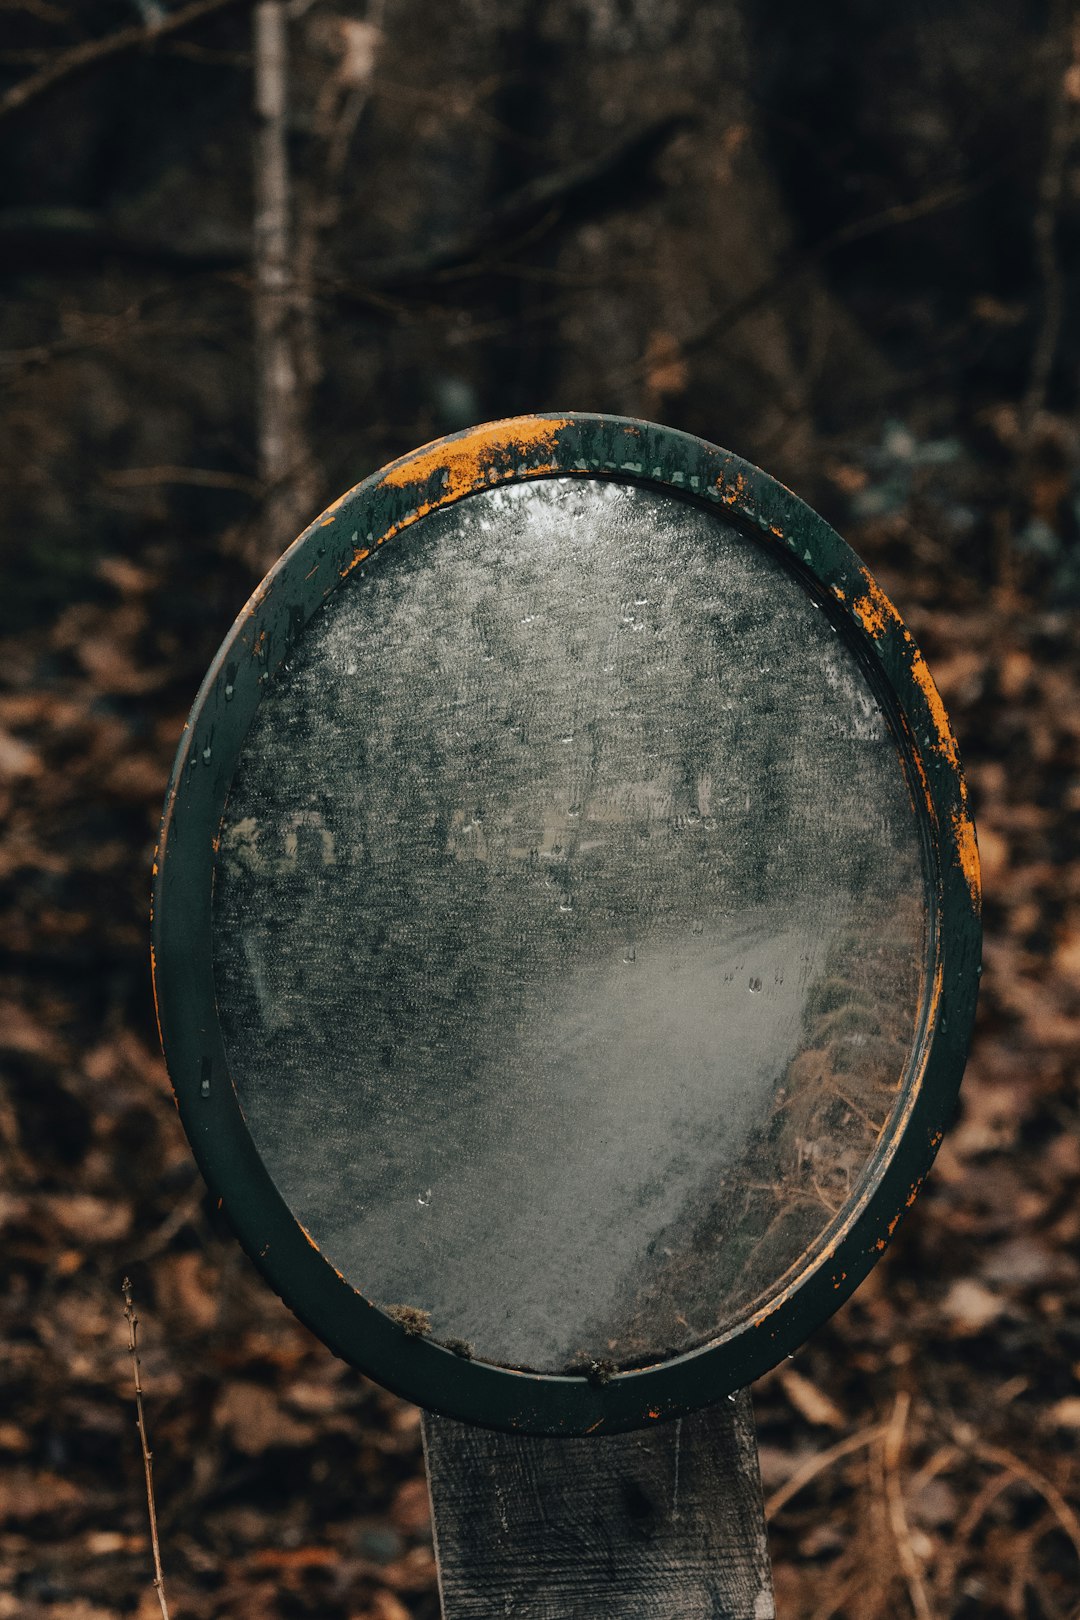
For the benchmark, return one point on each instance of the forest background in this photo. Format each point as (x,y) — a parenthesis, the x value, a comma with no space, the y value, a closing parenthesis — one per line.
(842,240)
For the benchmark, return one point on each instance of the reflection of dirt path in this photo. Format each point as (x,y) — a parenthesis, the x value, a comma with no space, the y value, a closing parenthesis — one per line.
(638,1080)
(739,1235)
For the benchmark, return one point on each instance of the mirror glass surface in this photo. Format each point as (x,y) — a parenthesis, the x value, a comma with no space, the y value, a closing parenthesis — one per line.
(569,925)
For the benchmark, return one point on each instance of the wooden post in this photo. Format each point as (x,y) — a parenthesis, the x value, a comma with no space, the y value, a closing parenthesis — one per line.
(663,1523)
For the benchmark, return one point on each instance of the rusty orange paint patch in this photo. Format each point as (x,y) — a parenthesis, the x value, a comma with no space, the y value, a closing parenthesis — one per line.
(309,1237)
(963,828)
(467,462)
(945,743)
(873,609)
(935,995)
(731,492)
(157,1009)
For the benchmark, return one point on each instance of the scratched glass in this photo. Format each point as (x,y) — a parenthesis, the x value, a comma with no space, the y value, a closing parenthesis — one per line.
(570,925)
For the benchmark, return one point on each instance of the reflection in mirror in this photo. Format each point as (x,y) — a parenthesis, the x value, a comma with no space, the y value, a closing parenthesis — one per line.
(569,925)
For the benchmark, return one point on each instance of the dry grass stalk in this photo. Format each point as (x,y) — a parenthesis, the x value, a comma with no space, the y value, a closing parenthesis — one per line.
(891,1454)
(148,1456)
(817,1465)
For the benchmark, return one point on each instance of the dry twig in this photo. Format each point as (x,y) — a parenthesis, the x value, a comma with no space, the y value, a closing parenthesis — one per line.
(817,1465)
(891,1453)
(148,1456)
(66,64)
(1018,1469)
(801,263)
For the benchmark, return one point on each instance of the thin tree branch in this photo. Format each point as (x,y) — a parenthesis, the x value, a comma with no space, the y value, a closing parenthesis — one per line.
(1045,230)
(817,1465)
(801,263)
(148,1455)
(588,188)
(199,477)
(66,64)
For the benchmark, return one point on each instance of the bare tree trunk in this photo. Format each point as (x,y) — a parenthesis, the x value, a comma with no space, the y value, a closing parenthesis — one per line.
(342,100)
(285,462)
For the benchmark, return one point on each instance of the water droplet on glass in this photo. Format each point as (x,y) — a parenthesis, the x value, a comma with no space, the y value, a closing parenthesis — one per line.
(568,739)
(630,955)
(206,755)
(697,926)
(204,1089)
(424,1199)
(229,690)
(755,985)
(566,905)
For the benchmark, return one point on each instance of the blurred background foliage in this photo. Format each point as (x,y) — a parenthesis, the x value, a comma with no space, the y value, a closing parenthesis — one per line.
(841,239)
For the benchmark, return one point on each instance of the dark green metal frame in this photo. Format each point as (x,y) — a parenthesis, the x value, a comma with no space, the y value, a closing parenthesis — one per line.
(364,519)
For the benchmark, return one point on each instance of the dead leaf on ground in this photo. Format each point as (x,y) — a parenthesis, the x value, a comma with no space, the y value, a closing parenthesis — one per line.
(807,1399)
(252,1417)
(969,1308)
(411,1509)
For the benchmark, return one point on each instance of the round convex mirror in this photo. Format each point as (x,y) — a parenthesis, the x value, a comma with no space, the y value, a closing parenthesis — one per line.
(555,946)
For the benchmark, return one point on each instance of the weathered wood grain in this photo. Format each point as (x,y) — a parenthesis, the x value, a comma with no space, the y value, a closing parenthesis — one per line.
(660,1524)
